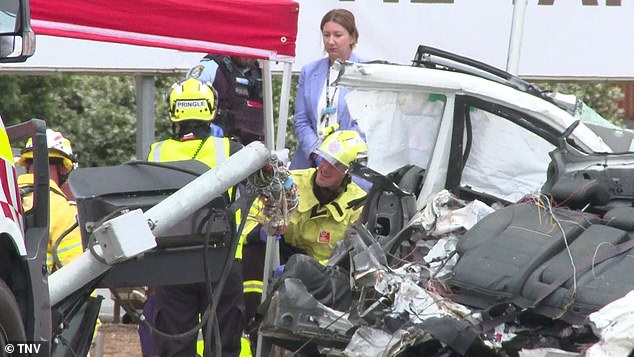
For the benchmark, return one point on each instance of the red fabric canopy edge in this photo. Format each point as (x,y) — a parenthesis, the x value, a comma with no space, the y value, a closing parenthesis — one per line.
(257,28)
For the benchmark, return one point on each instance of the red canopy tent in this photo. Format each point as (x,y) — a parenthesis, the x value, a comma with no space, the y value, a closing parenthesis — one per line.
(265,29)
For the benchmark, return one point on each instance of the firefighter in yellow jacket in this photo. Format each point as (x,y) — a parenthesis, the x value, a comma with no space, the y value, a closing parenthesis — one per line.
(328,199)
(64,235)
(329,202)
(192,107)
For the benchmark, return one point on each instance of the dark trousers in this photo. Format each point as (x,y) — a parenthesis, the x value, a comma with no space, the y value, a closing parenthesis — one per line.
(253,255)
(179,308)
(148,346)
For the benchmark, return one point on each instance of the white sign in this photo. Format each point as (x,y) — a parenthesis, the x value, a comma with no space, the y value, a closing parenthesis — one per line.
(569,39)
(578,39)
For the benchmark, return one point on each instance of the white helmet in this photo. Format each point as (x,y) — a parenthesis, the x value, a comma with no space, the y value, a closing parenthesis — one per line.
(58,146)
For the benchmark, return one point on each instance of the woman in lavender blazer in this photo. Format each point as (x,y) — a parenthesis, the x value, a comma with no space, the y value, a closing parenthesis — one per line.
(340,35)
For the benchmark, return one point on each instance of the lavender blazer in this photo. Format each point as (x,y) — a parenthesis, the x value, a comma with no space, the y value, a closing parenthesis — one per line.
(309,88)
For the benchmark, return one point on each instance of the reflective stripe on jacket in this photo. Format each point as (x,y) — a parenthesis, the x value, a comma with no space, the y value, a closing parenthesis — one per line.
(312,227)
(211,151)
(252,287)
(63,216)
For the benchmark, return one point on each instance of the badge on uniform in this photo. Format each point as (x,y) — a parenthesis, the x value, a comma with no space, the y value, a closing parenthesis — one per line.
(324,237)
(196,71)
(243,81)
(334,147)
(253,104)
(329,111)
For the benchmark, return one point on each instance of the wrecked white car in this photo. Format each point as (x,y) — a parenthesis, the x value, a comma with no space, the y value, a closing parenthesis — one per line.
(498,223)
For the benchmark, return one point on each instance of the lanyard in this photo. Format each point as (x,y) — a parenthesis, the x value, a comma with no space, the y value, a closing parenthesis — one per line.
(329,109)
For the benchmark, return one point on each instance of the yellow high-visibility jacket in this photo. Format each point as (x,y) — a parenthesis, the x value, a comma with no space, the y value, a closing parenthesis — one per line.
(312,227)
(315,228)
(63,216)
(211,151)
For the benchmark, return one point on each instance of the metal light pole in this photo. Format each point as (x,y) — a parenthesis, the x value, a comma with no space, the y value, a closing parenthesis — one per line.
(515,40)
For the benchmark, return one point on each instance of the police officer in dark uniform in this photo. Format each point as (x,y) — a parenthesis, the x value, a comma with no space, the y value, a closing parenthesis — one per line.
(238,81)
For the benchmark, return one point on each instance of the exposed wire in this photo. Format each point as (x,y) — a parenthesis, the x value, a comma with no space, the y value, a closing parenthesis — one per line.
(400,260)
(435,301)
(294,353)
(573,193)
(594,256)
(387,345)
(572,261)
(278,193)
(56,261)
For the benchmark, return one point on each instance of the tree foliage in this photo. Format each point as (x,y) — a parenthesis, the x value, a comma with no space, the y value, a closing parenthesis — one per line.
(97,113)
(604,98)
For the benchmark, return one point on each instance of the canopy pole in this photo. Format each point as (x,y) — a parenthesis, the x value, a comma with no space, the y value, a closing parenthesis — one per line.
(145,92)
(285,97)
(267,93)
(515,40)
(272,255)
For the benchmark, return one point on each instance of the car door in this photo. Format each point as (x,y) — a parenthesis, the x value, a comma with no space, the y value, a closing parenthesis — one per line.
(497,152)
